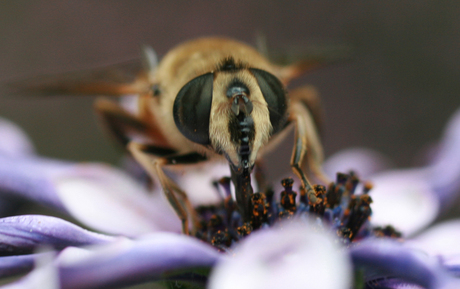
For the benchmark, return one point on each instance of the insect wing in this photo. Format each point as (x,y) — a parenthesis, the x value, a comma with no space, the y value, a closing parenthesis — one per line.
(114,80)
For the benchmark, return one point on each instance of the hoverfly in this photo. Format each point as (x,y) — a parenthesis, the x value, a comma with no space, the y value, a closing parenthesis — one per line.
(208,99)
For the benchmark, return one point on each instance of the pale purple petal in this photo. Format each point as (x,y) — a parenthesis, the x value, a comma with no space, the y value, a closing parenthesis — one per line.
(391,283)
(99,196)
(404,200)
(445,170)
(15,265)
(108,200)
(128,262)
(23,234)
(45,275)
(29,178)
(364,162)
(440,240)
(452,263)
(13,140)
(388,259)
(197,182)
(291,255)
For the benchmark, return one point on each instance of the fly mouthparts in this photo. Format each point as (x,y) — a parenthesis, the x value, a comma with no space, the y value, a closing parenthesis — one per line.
(241,103)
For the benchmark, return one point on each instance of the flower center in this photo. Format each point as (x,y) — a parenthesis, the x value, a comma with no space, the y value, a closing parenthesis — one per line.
(338,206)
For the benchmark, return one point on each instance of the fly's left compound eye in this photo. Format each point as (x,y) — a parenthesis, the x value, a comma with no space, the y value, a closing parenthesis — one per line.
(275,96)
(192,109)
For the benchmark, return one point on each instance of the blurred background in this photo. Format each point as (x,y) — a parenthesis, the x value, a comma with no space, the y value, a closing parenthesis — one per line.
(393,95)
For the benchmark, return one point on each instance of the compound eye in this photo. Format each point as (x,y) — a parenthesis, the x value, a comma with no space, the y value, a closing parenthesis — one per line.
(275,96)
(192,109)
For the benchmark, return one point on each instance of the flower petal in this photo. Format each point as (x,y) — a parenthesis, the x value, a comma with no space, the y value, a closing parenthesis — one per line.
(292,255)
(129,262)
(440,240)
(99,196)
(45,275)
(28,178)
(383,259)
(198,183)
(23,234)
(15,265)
(364,162)
(110,201)
(445,175)
(404,200)
(14,142)
(452,263)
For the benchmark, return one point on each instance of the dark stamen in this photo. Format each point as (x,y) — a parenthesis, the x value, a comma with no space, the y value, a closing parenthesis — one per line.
(288,195)
(259,210)
(340,206)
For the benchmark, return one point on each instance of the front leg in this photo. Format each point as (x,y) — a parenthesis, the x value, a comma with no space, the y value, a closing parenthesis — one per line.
(306,113)
(154,164)
(306,144)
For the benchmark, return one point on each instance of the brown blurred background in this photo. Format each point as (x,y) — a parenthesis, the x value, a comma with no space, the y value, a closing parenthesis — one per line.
(394,95)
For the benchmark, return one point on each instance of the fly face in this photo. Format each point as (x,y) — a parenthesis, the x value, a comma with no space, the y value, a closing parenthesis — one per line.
(233,111)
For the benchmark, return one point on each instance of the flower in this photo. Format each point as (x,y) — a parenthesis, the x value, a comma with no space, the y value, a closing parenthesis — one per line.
(80,190)
(298,253)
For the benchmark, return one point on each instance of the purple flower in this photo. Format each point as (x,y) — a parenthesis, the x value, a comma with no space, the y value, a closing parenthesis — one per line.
(296,253)
(101,197)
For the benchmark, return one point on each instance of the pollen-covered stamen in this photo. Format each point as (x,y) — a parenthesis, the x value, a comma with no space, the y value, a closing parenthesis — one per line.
(387,231)
(352,183)
(216,223)
(360,211)
(338,207)
(288,195)
(319,205)
(334,195)
(342,178)
(244,230)
(367,187)
(221,240)
(259,210)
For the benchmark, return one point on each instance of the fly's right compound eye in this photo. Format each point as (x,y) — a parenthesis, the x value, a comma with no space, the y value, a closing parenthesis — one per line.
(192,109)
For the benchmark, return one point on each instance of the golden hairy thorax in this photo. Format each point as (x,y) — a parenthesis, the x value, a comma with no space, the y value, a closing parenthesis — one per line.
(200,56)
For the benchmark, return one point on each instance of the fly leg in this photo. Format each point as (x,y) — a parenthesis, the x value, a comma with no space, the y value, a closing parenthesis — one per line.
(118,121)
(306,144)
(307,115)
(123,125)
(148,157)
